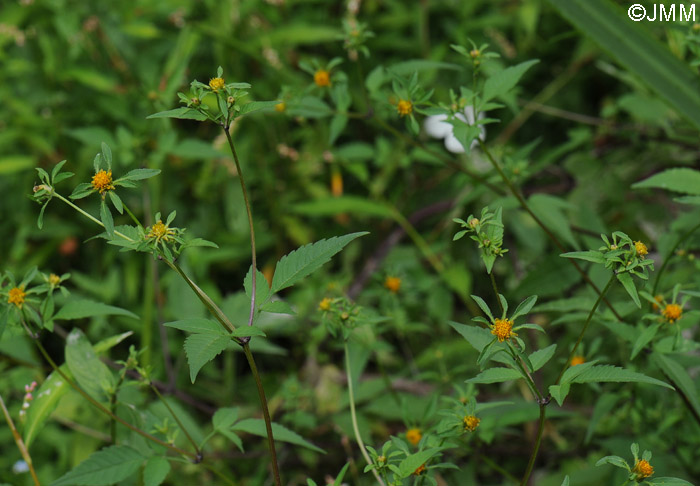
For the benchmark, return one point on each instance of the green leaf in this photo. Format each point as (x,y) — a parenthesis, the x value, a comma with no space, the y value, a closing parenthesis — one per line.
(116,200)
(139,174)
(278,307)
(254,106)
(540,357)
(89,372)
(262,289)
(566,481)
(524,307)
(45,401)
(683,180)
(609,373)
(104,467)
(559,392)
(81,308)
(155,471)
(198,326)
(638,51)
(495,375)
(279,432)
(590,256)
(626,281)
(332,206)
(106,218)
(307,259)
(108,343)
(669,482)
(247,331)
(183,113)
(483,306)
(107,154)
(680,377)
(224,418)
(202,348)
(644,338)
(503,81)
(614,460)
(414,461)
(338,124)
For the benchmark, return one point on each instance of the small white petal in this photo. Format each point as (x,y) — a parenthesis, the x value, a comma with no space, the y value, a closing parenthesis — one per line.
(453,145)
(436,127)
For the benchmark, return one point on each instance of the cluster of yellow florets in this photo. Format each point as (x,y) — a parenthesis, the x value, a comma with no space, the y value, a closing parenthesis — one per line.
(393,284)
(672,312)
(216,84)
(503,329)
(471,423)
(54,280)
(641,249)
(404,107)
(322,78)
(642,469)
(325,304)
(577,360)
(160,232)
(16,296)
(414,436)
(102,181)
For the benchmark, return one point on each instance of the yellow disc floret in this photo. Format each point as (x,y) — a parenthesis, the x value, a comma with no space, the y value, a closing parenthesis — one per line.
(102,181)
(280,107)
(672,312)
(16,296)
(322,78)
(419,470)
(216,84)
(160,232)
(414,436)
(642,469)
(404,107)
(325,304)
(577,360)
(471,423)
(503,329)
(54,280)
(641,249)
(393,284)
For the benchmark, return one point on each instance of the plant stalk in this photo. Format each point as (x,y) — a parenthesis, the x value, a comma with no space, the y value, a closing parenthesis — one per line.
(20,443)
(538,441)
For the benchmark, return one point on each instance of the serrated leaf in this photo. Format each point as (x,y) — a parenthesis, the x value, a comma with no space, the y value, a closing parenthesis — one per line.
(183,113)
(89,372)
(626,281)
(540,357)
(414,461)
(278,307)
(503,81)
(279,432)
(224,418)
(254,106)
(590,256)
(559,392)
(609,373)
(495,375)
(139,174)
(155,471)
(248,331)
(683,180)
(202,348)
(307,259)
(82,308)
(45,401)
(104,467)
(198,326)
(262,289)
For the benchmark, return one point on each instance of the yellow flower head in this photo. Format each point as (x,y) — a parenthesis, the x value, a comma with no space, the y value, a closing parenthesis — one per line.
(659,300)
(216,84)
(160,232)
(642,469)
(322,78)
(641,249)
(420,470)
(404,107)
(503,329)
(325,304)
(280,107)
(16,296)
(102,181)
(577,360)
(475,53)
(471,423)
(414,436)
(54,280)
(393,284)
(672,312)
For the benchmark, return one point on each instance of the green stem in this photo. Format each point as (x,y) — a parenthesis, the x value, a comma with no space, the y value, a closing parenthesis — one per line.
(177,419)
(495,290)
(20,443)
(87,215)
(113,408)
(105,410)
(585,326)
(523,369)
(538,441)
(266,414)
(685,236)
(514,190)
(250,225)
(131,215)
(353,415)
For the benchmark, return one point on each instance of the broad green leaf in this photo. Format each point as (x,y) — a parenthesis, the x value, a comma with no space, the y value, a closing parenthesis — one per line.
(106,218)
(626,281)
(407,68)
(332,206)
(248,331)
(559,392)
(254,106)
(116,200)
(669,482)
(680,377)
(414,461)
(155,471)
(202,348)
(140,174)
(483,306)
(503,81)
(644,338)
(108,343)
(107,154)
(566,481)
(262,288)
(81,308)
(495,375)
(609,373)
(540,357)
(338,124)
(307,259)
(224,418)
(279,432)
(590,256)
(638,51)
(104,467)
(614,460)
(182,113)
(89,372)
(198,326)
(683,180)
(524,307)
(45,401)
(278,307)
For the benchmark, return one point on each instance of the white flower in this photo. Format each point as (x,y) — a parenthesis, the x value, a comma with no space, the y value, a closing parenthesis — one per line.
(20,467)
(436,127)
